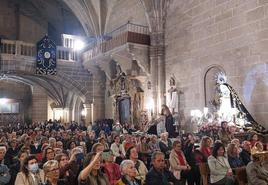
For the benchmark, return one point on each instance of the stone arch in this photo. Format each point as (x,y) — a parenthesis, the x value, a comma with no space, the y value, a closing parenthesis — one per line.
(50,83)
(209,82)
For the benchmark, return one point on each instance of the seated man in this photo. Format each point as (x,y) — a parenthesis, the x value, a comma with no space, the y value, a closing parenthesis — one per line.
(158,175)
(256,173)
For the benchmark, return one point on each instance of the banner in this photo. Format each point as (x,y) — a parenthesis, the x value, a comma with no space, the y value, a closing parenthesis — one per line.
(46,60)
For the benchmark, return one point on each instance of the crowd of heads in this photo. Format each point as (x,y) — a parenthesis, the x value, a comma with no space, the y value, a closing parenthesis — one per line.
(51,146)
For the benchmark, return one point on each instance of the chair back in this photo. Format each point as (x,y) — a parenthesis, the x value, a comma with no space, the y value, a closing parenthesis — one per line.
(241,176)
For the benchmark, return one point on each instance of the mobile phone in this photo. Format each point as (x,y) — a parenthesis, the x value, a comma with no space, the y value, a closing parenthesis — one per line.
(79,157)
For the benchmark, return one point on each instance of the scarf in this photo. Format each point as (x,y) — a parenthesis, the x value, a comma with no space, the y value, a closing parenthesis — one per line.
(180,158)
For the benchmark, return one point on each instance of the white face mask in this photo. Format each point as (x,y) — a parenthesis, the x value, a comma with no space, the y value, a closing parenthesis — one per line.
(33,168)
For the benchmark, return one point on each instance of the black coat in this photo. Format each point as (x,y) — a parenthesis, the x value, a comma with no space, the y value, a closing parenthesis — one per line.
(155,177)
(245,156)
(169,123)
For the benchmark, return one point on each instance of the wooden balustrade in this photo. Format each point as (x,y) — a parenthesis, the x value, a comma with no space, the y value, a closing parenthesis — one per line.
(20,48)
(129,32)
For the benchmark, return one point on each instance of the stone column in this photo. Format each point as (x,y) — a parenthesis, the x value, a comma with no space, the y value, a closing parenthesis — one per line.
(89,113)
(98,94)
(157,60)
(156,11)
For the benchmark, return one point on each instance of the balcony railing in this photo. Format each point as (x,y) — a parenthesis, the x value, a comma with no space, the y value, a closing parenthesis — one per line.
(20,48)
(129,32)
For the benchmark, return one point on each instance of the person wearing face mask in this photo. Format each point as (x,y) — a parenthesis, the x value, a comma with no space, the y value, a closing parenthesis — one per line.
(30,173)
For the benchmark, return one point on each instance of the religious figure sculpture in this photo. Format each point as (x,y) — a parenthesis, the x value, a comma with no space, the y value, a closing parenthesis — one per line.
(230,101)
(225,108)
(173,96)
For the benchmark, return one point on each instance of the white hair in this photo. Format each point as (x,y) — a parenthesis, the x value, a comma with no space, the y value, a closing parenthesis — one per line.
(124,165)
(3,148)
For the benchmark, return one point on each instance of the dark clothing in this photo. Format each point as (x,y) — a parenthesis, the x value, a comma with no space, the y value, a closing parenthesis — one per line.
(192,176)
(73,171)
(4,174)
(14,170)
(235,162)
(155,177)
(245,156)
(169,123)
(165,148)
(60,182)
(89,144)
(125,181)
(35,150)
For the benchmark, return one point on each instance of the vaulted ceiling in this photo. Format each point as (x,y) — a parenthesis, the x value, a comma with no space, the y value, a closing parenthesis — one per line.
(53,12)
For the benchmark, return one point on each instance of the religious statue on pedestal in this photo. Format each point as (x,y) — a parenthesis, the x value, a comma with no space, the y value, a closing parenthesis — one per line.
(173,96)
(231,107)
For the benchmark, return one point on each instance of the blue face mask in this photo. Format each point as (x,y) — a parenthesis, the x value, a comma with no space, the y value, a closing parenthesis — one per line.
(33,168)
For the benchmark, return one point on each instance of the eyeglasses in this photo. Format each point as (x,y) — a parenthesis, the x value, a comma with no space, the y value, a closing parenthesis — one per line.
(50,152)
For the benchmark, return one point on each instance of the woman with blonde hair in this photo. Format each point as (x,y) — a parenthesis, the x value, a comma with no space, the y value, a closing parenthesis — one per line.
(233,156)
(52,173)
(204,151)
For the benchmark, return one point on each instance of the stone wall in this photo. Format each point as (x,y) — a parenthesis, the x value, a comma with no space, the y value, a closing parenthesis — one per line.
(7,20)
(124,11)
(28,30)
(229,33)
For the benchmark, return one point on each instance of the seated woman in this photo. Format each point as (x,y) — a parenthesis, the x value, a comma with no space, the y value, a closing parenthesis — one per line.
(165,144)
(128,171)
(48,154)
(30,173)
(118,149)
(111,169)
(140,167)
(256,172)
(178,164)
(233,156)
(52,173)
(91,173)
(69,169)
(14,169)
(220,170)
(202,153)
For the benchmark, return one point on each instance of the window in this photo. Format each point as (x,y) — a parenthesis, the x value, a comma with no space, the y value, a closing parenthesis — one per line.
(9,107)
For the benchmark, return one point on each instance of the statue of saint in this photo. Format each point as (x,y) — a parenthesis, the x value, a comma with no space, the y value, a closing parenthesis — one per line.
(173,96)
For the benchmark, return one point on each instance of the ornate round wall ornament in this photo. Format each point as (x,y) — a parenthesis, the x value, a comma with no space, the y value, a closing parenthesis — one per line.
(47,54)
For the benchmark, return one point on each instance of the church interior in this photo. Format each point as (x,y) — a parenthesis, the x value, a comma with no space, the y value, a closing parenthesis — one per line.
(124,59)
(133,92)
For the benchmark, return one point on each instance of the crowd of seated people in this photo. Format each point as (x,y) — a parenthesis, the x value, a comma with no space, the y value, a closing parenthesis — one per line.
(72,154)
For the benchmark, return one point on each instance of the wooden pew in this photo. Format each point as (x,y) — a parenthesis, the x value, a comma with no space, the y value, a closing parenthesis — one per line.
(241,176)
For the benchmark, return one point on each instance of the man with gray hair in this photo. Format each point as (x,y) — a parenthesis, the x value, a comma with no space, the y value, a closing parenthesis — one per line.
(158,174)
